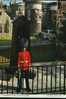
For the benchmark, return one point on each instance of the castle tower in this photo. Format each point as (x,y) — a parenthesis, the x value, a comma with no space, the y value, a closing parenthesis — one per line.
(33,10)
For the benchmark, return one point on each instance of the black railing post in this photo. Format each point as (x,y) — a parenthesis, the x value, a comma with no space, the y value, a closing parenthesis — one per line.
(2,82)
(12,83)
(37,78)
(32,80)
(51,78)
(60,79)
(42,80)
(46,78)
(64,77)
(7,83)
(55,77)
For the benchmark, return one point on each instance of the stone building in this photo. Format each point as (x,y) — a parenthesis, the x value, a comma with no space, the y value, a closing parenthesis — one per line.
(36,18)
(61,12)
(64,6)
(49,16)
(5,22)
(33,10)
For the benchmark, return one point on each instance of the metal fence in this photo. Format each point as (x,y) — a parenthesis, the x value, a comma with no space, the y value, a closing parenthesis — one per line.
(49,79)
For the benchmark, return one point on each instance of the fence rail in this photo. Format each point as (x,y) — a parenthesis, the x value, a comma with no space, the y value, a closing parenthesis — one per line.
(49,79)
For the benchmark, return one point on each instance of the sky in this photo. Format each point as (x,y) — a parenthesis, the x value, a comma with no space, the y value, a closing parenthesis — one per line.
(8,1)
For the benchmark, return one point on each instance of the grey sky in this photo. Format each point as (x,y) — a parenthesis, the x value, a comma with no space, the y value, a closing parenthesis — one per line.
(8,1)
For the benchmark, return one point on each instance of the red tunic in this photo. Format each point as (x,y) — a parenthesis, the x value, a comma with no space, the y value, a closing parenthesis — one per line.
(24,60)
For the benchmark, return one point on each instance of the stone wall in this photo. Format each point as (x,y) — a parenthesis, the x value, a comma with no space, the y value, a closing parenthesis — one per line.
(5,23)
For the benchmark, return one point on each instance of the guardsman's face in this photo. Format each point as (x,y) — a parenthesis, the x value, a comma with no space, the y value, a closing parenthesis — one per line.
(24,49)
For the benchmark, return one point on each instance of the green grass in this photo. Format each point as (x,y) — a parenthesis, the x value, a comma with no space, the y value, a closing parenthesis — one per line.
(40,53)
(43,53)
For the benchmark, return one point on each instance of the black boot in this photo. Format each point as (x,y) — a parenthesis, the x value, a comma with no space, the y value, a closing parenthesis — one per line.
(28,89)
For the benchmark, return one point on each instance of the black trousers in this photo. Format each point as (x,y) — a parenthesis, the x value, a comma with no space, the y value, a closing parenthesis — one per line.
(21,78)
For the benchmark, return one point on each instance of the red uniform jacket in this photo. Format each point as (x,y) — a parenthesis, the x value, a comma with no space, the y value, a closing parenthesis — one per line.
(24,60)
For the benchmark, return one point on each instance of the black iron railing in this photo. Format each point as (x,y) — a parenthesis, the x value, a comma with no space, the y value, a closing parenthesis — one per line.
(49,79)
